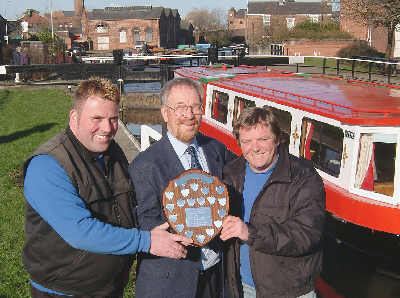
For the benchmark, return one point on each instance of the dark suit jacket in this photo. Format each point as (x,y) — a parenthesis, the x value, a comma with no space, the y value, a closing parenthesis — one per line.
(150,172)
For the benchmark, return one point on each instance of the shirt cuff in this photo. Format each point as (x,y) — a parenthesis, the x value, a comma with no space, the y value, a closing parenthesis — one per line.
(144,244)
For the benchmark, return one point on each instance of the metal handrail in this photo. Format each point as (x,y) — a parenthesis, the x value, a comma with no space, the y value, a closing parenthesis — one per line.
(301,99)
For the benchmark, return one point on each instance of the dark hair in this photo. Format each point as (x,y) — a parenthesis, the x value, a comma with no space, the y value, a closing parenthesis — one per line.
(96,86)
(166,89)
(254,116)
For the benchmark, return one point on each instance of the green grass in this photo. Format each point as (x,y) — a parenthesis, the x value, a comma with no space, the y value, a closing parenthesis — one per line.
(27,119)
(344,66)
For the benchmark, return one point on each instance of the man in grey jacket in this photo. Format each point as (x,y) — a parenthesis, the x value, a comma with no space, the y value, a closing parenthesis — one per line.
(273,235)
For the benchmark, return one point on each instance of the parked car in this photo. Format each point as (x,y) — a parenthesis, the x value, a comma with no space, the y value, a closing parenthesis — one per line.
(77,51)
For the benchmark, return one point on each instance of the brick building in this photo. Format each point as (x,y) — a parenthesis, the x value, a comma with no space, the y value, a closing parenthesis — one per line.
(120,27)
(186,35)
(376,37)
(237,23)
(263,14)
(71,25)
(125,27)
(32,22)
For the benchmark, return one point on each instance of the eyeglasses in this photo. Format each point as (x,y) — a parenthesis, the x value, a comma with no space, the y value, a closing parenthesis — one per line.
(181,109)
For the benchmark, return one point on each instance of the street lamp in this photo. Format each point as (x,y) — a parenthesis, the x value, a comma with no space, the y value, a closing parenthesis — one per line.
(51,18)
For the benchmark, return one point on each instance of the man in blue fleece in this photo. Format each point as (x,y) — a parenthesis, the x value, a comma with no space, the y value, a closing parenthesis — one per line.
(80,223)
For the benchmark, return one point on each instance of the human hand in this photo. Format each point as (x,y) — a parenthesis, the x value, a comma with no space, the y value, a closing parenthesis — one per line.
(233,226)
(165,244)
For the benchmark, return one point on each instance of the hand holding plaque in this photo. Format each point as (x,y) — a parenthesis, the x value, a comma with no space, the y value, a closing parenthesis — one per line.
(195,204)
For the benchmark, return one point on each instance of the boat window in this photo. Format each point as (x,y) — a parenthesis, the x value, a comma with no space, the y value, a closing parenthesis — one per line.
(322,144)
(240,104)
(219,109)
(285,120)
(376,163)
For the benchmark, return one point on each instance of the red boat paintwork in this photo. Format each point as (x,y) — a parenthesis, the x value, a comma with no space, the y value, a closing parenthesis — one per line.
(362,211)
(221,135)
(358,104)
(350,102)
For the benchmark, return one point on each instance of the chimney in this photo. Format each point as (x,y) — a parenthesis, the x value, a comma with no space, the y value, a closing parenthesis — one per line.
(78,5)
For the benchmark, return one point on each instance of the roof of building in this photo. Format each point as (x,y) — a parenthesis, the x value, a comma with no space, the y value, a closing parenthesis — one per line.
(131,12)
(69,13)
(185,25)
(288,8)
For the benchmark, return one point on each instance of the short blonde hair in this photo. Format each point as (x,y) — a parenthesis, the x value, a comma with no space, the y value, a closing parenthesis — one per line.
(96,86)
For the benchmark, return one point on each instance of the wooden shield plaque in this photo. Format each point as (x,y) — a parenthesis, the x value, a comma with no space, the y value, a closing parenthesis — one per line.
(195,204)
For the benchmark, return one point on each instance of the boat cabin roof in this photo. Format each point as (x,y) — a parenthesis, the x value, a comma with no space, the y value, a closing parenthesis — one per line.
(351,102)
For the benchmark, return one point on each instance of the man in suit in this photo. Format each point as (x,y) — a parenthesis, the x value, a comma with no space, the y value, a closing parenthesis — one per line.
(199,275)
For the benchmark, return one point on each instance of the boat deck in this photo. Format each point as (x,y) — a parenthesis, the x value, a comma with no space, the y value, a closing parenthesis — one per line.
(348,101)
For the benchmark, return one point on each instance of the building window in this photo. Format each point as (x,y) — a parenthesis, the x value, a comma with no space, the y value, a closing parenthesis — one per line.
(101,28)
(103,43)
(267,19)
(25,26)
(323,145)
(122,36)
(136,35)
(149,35)
(290,23)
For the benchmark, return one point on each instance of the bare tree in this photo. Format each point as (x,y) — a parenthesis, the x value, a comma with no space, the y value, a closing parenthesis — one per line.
(385,13)
(205,20)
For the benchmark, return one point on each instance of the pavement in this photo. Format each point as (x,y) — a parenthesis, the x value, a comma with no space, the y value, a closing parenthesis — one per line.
(127,141)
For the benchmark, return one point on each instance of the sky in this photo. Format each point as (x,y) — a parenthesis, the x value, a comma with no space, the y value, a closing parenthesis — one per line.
(13,9)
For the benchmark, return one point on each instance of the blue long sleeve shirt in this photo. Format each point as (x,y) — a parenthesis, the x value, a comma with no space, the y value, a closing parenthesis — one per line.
(50,192)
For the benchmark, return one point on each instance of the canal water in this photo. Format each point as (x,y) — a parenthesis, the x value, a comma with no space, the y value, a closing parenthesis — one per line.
(134,118)
(351,274)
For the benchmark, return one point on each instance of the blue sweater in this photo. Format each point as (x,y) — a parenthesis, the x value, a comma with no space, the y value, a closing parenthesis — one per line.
(253,184)
(50,192)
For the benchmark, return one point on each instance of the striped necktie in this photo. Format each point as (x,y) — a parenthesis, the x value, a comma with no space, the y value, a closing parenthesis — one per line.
(194,163)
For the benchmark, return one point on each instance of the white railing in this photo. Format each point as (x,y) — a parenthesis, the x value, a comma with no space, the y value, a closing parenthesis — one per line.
(140,57)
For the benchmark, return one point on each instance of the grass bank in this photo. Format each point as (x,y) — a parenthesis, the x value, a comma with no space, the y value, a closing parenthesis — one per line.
(27,119)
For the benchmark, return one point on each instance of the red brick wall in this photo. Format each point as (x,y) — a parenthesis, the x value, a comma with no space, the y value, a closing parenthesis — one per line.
(359,29)
(128,25)
(256,29)
(319,48)
(234,22)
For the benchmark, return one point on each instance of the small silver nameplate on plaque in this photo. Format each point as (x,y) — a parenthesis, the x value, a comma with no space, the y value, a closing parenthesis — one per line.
(198,217)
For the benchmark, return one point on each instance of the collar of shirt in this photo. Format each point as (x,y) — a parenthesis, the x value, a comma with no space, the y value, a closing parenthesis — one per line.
(267,172)
(184,157)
